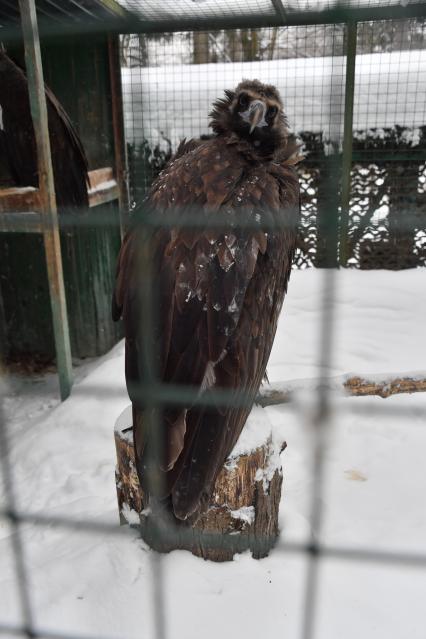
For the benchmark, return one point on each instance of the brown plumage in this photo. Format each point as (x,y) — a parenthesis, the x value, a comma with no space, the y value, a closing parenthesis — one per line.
(218,292)
(17,141)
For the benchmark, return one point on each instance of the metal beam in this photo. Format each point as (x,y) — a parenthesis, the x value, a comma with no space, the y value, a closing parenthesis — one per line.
(347,141)
(279,10)
(47,194)
(113,7)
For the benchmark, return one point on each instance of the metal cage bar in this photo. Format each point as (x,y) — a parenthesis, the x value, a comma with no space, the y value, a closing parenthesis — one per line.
(51,239)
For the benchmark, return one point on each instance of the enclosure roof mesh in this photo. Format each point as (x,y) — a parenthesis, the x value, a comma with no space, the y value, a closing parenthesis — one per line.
(73,13)
(203,11)
(173,15)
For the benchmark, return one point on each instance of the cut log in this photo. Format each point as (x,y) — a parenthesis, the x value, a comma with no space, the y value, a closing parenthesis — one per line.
(361,387)
(350,385)
(243,512)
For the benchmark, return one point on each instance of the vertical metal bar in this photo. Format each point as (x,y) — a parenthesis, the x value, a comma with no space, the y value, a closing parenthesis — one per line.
(321,419)
(10,501)
(51,238)
(347,140)
(118,129)
(279,10)
(148,366)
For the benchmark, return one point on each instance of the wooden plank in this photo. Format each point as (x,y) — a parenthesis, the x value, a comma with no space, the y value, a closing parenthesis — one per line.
(103,195)
(103,186)
(16,199)
(47,194)
(97,176)
(118,130)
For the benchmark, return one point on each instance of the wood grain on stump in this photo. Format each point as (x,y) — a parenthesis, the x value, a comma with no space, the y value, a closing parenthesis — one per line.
(243,511)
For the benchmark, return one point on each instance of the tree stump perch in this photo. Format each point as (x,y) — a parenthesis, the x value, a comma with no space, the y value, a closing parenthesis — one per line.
(243,512)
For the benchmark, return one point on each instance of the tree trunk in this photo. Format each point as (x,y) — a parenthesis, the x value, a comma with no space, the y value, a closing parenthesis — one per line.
(200,47)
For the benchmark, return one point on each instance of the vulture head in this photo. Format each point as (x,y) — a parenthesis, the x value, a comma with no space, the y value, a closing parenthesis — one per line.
(253,112)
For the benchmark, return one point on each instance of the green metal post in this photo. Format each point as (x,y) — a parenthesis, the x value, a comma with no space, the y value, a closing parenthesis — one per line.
(118,130)
(347,141)
(51,238)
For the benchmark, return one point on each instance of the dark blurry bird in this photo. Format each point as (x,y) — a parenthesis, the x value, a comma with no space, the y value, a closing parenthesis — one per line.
(17,141)
(218,291)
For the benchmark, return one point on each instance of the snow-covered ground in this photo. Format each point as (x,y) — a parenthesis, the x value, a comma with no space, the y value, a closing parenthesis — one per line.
(174,101)
(100,585)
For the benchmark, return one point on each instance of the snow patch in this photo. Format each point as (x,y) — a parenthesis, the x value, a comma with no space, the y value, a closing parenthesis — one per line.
(63,456)
(265,475)
(256,433)
(102,186)
(130,515)
(246,513)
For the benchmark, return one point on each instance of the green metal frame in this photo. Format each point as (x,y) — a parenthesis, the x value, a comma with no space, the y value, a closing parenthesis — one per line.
(347,140)
(52,244)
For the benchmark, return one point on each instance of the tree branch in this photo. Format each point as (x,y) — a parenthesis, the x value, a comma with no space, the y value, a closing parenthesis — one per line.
(353,385)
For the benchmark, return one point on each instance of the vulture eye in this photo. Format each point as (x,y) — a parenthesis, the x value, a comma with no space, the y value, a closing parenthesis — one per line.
(272,112)
(243,100)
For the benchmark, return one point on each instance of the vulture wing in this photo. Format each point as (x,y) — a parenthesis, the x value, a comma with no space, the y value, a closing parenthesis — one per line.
(218,299)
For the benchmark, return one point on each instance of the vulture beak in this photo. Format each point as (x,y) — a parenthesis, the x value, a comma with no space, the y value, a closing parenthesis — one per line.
(256,115)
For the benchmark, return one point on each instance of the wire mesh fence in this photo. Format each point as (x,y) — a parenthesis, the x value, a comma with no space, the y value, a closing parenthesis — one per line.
(169,82)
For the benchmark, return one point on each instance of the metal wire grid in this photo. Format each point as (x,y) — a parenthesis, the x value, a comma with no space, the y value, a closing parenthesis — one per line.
(154,10)
(396,76)
(158,10)
(166,98)
(170,98)
(319,5)
(390,86)
(58,12)
(78,16)
(159,394)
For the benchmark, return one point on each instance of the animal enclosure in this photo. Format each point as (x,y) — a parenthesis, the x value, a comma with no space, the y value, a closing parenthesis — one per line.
(352,76)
